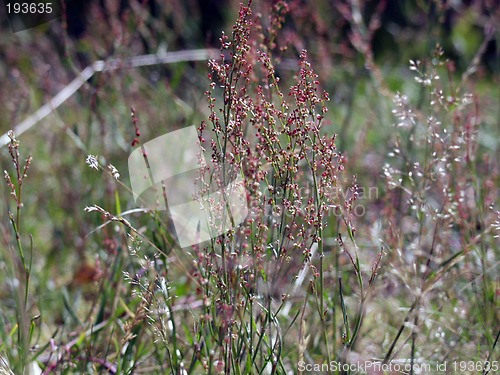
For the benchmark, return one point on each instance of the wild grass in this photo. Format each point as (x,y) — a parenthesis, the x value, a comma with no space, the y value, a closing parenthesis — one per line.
(372,233)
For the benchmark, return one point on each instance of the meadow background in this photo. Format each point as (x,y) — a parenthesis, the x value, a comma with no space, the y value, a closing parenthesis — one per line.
(373,234)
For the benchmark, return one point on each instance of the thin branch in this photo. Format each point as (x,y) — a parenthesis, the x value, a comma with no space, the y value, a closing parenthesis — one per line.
(102,66)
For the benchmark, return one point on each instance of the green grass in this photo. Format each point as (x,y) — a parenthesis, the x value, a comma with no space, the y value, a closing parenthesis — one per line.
(414,279)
